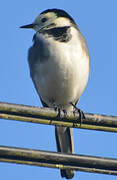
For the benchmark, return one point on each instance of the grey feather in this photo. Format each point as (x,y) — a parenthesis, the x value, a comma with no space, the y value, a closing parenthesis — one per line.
(36,53)
(64,141)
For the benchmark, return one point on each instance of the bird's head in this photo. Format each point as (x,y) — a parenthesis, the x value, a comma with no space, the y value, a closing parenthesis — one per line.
(51,18)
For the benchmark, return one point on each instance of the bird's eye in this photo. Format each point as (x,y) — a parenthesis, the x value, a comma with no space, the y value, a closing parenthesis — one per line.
(44,20)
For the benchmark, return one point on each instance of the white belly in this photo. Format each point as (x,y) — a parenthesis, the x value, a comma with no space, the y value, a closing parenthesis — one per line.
(62,78)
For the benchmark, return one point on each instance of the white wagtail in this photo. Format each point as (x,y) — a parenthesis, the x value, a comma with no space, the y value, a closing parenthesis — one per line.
(59,68)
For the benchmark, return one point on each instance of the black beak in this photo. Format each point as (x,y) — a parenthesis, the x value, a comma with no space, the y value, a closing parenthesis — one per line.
(28,26)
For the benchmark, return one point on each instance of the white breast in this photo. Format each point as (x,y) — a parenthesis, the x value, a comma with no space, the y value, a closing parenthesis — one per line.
(63,77)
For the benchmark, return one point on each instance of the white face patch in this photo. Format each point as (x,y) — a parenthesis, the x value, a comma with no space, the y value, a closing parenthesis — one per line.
(62,21)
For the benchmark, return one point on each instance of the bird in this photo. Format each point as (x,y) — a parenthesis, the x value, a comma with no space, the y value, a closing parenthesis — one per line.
(59,66)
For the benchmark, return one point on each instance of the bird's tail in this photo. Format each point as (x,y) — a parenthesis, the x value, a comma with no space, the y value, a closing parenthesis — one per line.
(64,141)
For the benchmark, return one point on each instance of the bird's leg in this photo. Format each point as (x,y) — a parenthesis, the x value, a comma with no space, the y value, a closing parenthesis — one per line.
(65,113)
(57,109)
(60,114)
(53,105)
(81,113)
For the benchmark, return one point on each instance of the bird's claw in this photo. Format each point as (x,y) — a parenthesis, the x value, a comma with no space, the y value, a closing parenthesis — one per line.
(81,113)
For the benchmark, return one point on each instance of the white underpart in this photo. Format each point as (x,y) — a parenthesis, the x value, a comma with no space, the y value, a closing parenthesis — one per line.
(63,77)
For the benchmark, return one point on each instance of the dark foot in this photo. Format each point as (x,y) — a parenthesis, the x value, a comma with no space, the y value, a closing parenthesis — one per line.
(65,113)
(81,114)
(60,115)
(55,108)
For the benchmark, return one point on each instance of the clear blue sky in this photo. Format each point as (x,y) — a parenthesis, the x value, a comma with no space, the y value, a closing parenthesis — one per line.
(97,21)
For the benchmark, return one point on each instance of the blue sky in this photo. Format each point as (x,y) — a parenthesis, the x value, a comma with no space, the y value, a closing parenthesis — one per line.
(97,21)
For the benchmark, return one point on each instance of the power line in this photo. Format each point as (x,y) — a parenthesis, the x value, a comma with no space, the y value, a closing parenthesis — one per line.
(50,117)
(57,160)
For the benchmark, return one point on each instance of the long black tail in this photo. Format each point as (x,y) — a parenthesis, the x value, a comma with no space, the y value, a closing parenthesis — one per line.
(64,141)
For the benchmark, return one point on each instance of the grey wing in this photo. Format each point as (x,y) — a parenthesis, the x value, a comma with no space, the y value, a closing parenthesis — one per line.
(33,55)
(84,44)
(34,59)
(37,54)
